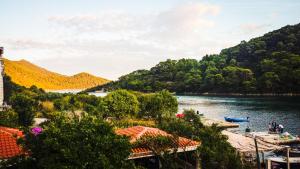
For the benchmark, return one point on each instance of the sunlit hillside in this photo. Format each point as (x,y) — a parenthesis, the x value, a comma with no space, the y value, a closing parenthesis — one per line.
(27,74)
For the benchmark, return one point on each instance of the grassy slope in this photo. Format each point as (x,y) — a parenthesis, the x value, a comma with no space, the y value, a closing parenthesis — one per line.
(27,74)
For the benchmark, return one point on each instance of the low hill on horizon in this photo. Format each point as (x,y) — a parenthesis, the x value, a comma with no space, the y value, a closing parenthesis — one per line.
(266,64)
(27,74)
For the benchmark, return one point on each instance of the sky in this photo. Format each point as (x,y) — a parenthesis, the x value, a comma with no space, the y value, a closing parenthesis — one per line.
(113,38)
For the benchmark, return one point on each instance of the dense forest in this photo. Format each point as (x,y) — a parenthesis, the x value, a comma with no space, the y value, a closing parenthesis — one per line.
(27,74)
(267,64)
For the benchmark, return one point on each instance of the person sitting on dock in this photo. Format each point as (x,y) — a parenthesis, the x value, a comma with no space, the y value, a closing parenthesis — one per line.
(280,128)
(270,127)
(273,127)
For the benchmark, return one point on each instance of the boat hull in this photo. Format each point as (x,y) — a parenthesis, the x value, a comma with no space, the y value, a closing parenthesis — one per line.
(229,119)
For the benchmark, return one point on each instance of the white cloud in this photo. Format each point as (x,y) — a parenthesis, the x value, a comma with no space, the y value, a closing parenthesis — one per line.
(117,42)
(252,27)
(107,21)
(185,17)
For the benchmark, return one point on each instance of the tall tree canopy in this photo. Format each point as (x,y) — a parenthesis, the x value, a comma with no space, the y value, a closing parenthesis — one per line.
(270,63)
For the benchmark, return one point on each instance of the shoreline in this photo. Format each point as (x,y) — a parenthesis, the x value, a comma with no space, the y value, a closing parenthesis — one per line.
(196,94)
(64,90)
(239,94)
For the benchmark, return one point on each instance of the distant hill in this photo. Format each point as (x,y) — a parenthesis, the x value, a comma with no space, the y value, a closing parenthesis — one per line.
(27,74)
(267,64)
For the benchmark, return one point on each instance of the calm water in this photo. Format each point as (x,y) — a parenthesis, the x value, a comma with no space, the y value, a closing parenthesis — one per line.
(261,110)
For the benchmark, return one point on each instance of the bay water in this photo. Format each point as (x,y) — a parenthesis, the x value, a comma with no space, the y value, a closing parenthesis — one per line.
(260,110)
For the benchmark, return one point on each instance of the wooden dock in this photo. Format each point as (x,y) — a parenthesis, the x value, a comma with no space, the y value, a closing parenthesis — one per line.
(274,138)
(246,144)
(292,160)
(220,123)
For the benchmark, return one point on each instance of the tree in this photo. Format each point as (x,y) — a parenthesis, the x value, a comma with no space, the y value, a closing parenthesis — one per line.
(92,105)
(10,88)
(8,118)
(165,149)
(238,79)
(158,105)
(67,103)
(269,81)
(25,106)
(189,126)
(62,104)
(85,142)
(216,152)
(121,103)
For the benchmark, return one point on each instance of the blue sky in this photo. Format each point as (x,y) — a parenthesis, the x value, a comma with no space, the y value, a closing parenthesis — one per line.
(113,38)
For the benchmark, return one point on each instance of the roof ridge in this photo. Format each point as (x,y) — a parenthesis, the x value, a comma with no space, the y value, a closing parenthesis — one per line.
(157,131)
(145,129)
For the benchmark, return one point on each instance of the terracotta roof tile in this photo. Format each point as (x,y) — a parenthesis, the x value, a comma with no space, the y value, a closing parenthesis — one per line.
(8,142)
(137,132)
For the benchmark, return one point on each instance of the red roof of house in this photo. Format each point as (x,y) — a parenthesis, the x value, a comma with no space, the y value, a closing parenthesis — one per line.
(137,132)
(8,142)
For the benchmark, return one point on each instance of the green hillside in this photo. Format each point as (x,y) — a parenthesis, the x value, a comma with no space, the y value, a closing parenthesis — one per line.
(267,64)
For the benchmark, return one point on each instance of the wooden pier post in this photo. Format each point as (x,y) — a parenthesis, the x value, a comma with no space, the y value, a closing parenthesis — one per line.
(257,155)
(269,164)
(288,157)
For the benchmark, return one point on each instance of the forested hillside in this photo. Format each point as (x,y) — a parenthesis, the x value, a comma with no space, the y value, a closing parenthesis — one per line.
(27,74)
(267,64)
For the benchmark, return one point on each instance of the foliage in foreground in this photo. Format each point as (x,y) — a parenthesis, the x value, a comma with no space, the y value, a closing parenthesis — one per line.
(165,149)
(25,106)
(215,152)
(84,142)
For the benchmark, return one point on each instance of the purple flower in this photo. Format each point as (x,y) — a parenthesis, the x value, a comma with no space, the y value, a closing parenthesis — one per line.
(36,130)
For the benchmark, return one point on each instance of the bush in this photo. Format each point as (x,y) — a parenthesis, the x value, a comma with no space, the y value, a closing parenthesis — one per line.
(158,105)
(25,106)
(215,151)
(130,122)
(84,142)
(9,118)
(121,103)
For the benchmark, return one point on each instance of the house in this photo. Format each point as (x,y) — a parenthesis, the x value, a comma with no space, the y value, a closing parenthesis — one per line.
(146,155)
(8,142)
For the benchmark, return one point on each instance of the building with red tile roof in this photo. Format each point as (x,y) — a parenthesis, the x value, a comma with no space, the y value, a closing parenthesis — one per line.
(137,132)
(8,142)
